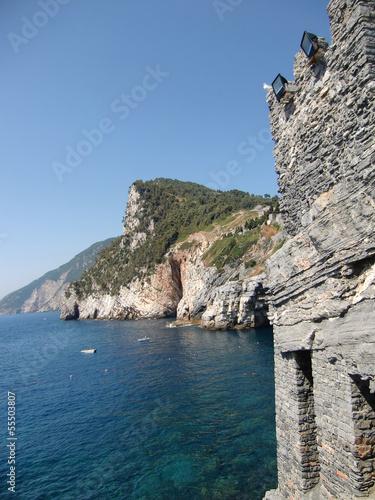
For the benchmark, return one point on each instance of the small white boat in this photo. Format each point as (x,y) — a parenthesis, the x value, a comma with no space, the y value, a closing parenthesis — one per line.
(89,351)
(145,339)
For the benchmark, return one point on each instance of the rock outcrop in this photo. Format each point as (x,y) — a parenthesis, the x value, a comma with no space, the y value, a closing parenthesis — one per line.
(322,282)
(222,304)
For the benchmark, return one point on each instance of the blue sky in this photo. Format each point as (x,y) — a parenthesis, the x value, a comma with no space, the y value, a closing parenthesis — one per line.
(95,94)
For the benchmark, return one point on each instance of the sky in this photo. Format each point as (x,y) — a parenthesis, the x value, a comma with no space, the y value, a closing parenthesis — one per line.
(95,94)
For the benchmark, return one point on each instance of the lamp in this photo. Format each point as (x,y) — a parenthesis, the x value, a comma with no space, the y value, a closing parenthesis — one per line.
(279,87)
(309,44)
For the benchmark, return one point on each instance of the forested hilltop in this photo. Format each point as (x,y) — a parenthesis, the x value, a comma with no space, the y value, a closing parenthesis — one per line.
(182,246)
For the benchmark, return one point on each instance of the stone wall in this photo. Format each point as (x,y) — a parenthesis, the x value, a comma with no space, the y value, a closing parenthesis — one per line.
(322,282)
(296,423)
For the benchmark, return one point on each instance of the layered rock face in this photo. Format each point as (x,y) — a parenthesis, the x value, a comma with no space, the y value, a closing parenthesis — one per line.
(322,282)
(233,304)
(222,302)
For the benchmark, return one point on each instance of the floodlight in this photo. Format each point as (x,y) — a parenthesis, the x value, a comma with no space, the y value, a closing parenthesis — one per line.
(278,86)
(309,44)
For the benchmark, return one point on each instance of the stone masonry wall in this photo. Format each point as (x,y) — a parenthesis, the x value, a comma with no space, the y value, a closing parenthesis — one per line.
(322,281)
(339,472)
(296,425)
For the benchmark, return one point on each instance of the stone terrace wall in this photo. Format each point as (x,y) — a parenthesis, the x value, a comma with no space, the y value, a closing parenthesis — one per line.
(322,281)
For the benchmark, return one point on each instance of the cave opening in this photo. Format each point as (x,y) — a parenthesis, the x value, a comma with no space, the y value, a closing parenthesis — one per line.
(176,278)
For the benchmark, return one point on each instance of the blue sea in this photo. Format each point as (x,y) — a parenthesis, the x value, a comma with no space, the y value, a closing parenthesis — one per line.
(186,415)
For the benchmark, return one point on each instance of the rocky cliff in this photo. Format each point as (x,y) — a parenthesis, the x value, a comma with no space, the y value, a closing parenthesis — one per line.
(186,251)
(47,293)
(322,282)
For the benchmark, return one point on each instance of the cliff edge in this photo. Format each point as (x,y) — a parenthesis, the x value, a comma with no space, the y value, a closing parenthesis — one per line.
(322,282)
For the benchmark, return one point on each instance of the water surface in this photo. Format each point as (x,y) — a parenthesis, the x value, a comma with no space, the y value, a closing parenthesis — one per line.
(187,415)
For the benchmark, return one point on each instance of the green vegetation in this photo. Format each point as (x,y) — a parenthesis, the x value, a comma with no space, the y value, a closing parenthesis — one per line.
(187,245)
(280,245)
(253,223)
(174,210)
(231,248)
(250,263)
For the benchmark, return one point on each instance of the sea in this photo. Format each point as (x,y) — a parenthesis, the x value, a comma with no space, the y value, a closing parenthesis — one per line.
(188,414)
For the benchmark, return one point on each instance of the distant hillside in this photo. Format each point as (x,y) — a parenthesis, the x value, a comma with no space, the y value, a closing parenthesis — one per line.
(47,293)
